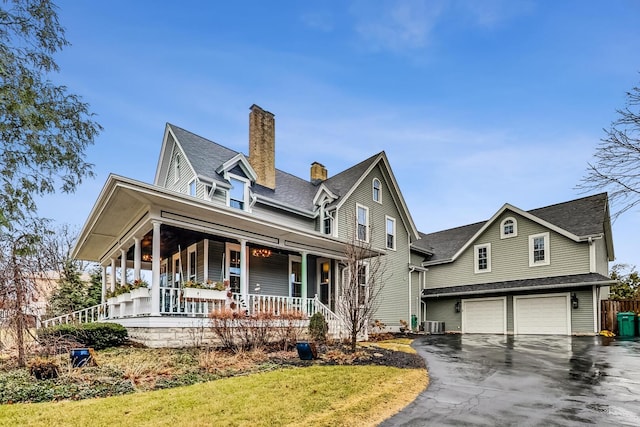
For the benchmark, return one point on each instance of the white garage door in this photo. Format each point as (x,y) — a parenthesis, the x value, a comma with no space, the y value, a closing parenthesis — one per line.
(542,314)
(484,316)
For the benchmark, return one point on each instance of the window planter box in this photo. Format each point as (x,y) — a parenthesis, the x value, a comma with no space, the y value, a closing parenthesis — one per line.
(126,297)
(206,294)
(140,293)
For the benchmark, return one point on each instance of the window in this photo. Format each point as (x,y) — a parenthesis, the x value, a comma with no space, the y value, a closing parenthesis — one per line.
(363,223)
(377,192)
(295,272)
(192,188)
(192,263)
(176,169)
(482,258)
(539,249)
(508,228)
(233,267)
(237,194)
(391,233)
(362,284)
(327,225)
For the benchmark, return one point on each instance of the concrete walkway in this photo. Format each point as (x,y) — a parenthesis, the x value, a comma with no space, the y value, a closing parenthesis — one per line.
(490,380)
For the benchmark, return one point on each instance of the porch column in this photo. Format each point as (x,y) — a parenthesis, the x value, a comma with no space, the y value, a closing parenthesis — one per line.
(303,273)
(205,273)
(244,273)
(155,270)
(113,274)
(123,267)
(137,258)
(104,284)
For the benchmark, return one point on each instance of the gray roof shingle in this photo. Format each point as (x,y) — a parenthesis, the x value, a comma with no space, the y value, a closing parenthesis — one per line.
(583,217)
(568,281)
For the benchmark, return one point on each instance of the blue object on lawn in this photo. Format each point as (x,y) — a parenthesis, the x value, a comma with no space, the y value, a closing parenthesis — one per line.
(80,357)
(306,350)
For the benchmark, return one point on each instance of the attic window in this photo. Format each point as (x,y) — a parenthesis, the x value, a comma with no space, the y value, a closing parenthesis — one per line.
(508,228)
(192,188)
(238,194)
(176,169)
(376,191)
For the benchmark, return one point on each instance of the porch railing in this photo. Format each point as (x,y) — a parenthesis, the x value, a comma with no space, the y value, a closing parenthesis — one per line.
(87,315)
(173,303)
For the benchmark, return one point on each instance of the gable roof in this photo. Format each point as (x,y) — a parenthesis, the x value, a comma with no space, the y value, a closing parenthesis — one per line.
(578,220)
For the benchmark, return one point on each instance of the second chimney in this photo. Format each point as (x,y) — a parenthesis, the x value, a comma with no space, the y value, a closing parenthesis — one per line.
(262,146)
(318,173)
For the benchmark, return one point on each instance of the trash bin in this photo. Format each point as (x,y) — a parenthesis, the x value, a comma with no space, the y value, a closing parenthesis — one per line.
(306,350)
(80,357)
(414,322)
(626,324)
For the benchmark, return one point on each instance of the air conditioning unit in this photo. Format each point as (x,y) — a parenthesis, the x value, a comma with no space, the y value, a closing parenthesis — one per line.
(433,327)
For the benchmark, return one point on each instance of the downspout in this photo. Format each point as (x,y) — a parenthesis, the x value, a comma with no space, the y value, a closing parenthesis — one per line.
(411,270)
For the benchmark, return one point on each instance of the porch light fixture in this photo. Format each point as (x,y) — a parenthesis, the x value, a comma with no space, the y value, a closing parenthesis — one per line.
(574,300)
(147,257)
(457,306)
(261,252)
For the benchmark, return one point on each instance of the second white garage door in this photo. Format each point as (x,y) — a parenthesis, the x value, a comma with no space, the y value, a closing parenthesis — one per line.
(542,314)
(484,316)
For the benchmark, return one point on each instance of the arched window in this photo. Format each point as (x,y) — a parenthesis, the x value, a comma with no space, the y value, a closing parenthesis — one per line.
(508,228)
(377,191)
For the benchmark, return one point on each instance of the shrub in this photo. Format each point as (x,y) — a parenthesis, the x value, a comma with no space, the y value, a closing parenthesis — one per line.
(43,369)
(96,335)
(318,328)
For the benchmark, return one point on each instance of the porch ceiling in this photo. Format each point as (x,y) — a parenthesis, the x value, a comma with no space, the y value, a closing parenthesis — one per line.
(126,207)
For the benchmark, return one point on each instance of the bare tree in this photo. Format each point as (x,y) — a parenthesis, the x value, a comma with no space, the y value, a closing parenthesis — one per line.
(21,268)
(617,159)
(362,285)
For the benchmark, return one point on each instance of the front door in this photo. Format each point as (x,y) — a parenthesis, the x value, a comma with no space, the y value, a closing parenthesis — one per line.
(324,283)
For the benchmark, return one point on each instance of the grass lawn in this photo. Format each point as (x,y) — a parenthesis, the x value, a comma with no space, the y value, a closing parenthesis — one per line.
(310,396)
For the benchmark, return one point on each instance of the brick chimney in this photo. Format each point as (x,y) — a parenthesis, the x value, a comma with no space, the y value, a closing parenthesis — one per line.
(262,146)
(318,173)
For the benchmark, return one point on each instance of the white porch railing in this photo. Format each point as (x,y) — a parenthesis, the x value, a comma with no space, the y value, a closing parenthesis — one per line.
(173,303)
(87,315)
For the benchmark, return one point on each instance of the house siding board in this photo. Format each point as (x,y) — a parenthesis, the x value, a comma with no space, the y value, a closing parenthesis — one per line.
(186,174)
(582,317)
(216,251)
(442,310)
(415,294)
(200,261)
(602,262)
(510,257)
(395,277)
(271,273)
(282,217)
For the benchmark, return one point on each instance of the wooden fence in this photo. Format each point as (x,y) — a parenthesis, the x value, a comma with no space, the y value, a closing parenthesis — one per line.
(610,310)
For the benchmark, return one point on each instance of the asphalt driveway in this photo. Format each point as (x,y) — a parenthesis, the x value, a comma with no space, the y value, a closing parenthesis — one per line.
(490,380)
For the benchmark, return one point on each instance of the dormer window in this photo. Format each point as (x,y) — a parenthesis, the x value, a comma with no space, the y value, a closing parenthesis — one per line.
(238,194)
(508,228)
(176,169)
(376,190)
(327,224)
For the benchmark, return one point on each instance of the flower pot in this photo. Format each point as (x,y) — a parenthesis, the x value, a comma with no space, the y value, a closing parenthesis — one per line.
(208,294)
(126,297)
(140,293)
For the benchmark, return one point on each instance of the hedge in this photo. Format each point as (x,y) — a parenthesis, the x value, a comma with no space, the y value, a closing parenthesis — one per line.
(96,335)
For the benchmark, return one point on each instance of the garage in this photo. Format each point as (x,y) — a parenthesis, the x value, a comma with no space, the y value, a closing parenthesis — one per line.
(542,314)
(484,316)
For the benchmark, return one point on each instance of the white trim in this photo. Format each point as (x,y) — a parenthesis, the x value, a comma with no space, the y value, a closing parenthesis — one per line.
(514,225)
(476,258)
(176,276)
(227,262)
(192,249)
(596,306)
(292,259)
(241,160)
(547,250)
(322,193)
(567,296)
(373,190)
(367,225)
(246,184)
(386,233)
(593,268)
(176,167)
(463,302)
(205,263)
(193,182)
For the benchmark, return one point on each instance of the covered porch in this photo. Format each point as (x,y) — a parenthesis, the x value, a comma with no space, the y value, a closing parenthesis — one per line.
(167,256)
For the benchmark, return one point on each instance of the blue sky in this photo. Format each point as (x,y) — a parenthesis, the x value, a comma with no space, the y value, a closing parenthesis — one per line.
(476,103)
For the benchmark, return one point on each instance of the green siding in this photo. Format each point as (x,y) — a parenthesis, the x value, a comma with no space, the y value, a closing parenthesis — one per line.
(272,273)
(282,217)
(582,317)
(510,257)
(395,293)
(443,310)
(602,262)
